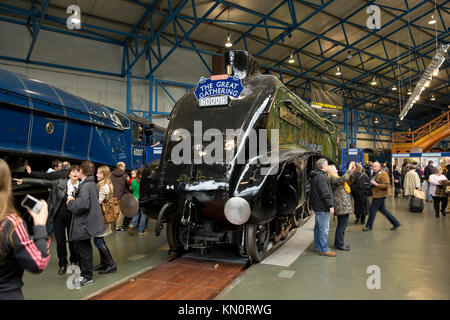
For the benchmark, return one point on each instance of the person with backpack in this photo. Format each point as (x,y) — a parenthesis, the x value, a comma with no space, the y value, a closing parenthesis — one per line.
(360,188)
(106,190)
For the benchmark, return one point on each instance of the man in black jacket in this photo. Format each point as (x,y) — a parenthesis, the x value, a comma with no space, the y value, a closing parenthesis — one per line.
(322,202)
(87,221)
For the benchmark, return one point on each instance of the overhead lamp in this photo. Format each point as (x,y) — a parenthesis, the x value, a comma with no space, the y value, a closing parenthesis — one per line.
(291,59)
(228,44)
(334,115)
(432,20)
(426,77)
(409,92)
(374,82)
(397,124)
(432,97)
(338,71)
(394,88)
(435,72)
(376,120)
(75,18)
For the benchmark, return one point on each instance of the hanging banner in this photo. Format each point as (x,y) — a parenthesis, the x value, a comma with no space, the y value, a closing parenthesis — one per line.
(326,101)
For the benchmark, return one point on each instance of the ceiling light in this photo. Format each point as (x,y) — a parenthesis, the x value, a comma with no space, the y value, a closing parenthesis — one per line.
(397,123)
(394,88)
(376,120)
(435,72)
(432,20)
(374,82)
(334,115)
(432,97)
(425,78)
(338,71)
(427,84)
(228,44)
(291,59)
(409,92)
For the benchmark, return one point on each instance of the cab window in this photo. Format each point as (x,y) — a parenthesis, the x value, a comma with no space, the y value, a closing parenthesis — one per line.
(124,121)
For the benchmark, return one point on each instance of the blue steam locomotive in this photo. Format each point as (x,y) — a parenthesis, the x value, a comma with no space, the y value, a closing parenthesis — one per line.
(41,122)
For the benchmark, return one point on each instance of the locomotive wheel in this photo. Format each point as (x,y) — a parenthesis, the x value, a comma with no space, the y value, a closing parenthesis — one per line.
(298,215)
(257,240)
(172,233)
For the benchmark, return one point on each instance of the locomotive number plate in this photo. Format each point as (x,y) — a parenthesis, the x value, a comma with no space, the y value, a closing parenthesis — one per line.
(213,101)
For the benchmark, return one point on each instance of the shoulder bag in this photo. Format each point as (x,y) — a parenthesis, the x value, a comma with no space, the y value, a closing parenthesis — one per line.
(110,208)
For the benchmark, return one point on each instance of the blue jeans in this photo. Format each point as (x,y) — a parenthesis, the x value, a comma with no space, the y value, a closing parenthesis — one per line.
(99,242)
(427,192)
(340,230)
(142,219)
(378,205)
(321,228)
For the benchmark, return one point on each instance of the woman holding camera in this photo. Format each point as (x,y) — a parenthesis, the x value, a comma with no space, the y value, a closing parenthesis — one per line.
(17,251)
(342,203)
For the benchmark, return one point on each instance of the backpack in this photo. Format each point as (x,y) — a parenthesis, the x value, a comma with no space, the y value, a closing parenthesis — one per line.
(110,208)
(358,185)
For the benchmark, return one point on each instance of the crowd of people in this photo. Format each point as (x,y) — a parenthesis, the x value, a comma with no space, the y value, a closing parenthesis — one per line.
(332,195)
(73,215)
(412,177)
(349,194)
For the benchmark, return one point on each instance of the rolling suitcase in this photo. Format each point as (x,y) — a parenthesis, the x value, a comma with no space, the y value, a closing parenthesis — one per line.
(416,205)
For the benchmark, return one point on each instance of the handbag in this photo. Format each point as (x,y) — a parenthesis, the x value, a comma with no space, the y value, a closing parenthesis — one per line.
(110,208)
(419,194)
(440,191)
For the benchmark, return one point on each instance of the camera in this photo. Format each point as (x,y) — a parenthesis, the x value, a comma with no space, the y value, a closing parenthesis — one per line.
(31,203)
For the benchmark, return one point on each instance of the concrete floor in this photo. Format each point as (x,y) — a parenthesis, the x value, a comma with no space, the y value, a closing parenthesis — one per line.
(413,261)
(132,254)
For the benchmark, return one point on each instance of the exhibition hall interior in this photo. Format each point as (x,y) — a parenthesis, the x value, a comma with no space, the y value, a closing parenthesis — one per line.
(224,150)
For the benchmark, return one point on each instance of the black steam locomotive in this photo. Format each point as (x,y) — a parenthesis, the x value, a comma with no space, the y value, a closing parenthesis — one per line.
(250,204)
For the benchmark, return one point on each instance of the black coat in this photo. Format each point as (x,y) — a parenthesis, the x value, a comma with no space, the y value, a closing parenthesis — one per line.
(55,175)
(119,181)
(428,171)
(360,189)
(87,221)
(398,176)
(321,195)
(58,192)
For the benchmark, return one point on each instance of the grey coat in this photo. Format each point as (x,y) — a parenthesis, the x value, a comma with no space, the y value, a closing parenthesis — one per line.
(87,221)
(342,201)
